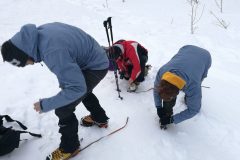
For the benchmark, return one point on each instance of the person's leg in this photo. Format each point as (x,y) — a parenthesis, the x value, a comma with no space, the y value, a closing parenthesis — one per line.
(68,124)
(92,105)
(129,72)
(90,101)
(143,61)
(143,57)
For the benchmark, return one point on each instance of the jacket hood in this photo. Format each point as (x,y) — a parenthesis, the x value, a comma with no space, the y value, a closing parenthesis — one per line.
(27,40)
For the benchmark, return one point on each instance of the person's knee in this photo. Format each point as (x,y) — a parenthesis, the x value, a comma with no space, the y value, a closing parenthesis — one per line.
(140,79)
(90,98)
(68,121)
(63,113)
(144,59)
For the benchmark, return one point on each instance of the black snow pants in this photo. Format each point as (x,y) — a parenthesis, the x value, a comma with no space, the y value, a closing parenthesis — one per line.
(68,122)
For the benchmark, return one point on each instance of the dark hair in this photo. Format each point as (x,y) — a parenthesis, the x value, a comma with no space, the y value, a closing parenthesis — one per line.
(114,52)
(166,90)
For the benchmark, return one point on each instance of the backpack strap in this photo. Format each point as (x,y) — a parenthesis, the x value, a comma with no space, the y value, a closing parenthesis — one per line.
(32,134)
(9,119)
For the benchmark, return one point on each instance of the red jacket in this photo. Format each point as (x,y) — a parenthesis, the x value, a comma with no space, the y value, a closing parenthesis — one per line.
(129,56)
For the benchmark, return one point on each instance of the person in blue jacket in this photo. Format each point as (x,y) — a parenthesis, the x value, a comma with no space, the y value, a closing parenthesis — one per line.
(79,64)
(184,72)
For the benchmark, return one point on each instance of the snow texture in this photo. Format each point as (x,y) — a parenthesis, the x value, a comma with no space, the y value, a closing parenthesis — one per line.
(162,27)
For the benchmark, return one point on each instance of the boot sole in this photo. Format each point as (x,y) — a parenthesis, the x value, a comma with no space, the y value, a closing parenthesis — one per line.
(93,124)
(86,124)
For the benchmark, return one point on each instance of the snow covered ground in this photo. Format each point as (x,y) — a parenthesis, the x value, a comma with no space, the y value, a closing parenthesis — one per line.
(162,27)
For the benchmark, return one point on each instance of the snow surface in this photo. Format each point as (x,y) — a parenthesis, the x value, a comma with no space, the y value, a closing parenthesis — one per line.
(162,27)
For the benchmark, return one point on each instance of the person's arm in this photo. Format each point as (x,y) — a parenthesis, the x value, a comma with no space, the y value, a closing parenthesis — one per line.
(120,65)
(193,101)
(70,77)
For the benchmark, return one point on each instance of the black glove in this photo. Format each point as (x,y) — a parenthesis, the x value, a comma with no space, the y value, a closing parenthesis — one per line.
(121,75)
(161,112)
(166,120)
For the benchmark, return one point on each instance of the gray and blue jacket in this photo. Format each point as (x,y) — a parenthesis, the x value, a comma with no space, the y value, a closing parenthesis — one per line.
(67,51)
(191,64)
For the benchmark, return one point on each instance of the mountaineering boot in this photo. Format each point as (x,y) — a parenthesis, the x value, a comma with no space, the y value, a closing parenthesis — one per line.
(88,121)
(59,154)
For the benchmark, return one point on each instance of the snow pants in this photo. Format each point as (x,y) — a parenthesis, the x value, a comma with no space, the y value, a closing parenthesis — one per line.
(68,122)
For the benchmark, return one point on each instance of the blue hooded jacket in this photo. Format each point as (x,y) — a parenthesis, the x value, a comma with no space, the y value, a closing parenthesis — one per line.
(191,63)
(66,50)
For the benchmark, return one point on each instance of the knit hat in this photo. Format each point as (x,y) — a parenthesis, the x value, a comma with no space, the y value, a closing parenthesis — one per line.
(174,80)
(13,55)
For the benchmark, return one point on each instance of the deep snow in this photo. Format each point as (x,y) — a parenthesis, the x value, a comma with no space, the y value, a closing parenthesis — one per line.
(162,27)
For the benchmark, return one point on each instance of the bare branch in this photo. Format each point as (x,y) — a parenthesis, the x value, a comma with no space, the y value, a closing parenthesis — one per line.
(200,15)
(219,5)
(107,3)
(221,22)
(194,18)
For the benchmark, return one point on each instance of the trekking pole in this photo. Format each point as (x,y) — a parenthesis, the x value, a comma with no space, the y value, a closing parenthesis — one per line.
(110,27)
(111,51)
(108,24)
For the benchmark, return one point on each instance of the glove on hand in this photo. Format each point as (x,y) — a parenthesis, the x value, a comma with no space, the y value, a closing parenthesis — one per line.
(161,112)
(166,120)
(121,75)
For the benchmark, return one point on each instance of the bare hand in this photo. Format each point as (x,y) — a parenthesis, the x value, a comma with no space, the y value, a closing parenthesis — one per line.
(37,107)
(130,81)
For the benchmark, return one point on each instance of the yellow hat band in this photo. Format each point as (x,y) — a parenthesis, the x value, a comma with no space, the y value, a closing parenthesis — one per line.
(174,80)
